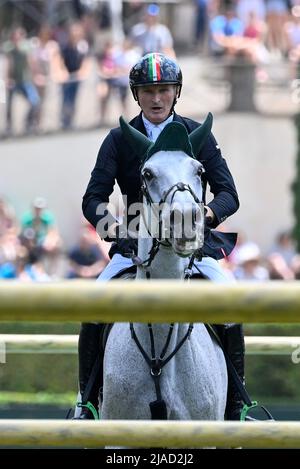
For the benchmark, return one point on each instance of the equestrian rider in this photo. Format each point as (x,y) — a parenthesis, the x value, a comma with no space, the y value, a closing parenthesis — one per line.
(156,82)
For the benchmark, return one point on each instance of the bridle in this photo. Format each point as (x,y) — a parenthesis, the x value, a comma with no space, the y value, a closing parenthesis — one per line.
(158,408)
(160,241)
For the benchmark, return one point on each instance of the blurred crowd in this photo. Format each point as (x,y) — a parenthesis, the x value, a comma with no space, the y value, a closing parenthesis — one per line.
(68,51)
(280,262)
(260,30)
(32,249)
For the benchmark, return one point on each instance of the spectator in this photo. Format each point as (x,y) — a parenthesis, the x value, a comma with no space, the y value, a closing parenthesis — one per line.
(151,35)
(7,217)
(225,31)
(39,219)
(254,37)
(233,38)
(296,266)
(284,246)
(246,7)
(201,23)
(19,80)
(39,231)
(31,269)
(11,269)
(114,65)
(281,256)
(41,58)
(9,245)
(71,67)
(276,39)
(278,268)
(254,27)
(87,259)
(292,29)
(249,263)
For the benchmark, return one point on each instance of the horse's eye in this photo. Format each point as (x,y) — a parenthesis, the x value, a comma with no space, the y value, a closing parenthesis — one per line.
(200,171)
(148,174)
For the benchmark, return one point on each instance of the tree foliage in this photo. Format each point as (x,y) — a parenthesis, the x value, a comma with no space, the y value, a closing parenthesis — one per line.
(296,187)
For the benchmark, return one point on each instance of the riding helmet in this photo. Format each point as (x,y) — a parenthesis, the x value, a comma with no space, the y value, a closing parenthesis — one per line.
(154,68)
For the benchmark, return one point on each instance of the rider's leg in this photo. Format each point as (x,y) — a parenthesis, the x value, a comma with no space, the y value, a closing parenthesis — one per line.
(89,345)
(88,350)
(232,338)
(235,347)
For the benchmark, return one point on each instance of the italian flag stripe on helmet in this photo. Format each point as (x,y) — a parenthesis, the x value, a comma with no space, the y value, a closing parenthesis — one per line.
(154,67)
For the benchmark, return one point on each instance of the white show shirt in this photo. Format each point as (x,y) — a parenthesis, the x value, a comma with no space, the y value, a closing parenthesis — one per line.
(154,130)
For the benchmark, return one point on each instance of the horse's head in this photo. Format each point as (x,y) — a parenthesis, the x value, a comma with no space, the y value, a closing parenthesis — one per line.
(171,183)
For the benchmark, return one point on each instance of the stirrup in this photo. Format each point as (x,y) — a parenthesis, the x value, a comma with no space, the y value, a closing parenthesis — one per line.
(90,407)
(244,417)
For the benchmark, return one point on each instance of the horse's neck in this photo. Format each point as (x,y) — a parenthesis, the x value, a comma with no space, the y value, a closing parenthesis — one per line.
(165,265)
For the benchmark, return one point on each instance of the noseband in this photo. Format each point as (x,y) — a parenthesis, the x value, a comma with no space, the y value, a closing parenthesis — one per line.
(179,186)
(157,242)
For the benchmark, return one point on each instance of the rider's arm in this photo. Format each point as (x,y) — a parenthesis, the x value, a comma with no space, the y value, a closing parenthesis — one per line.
(101,186)
(221,183)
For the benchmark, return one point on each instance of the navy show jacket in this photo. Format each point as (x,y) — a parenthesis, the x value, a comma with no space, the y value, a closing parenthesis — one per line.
(116,162)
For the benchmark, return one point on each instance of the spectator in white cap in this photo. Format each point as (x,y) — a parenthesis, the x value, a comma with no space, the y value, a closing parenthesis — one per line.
(249,267)
(151,35)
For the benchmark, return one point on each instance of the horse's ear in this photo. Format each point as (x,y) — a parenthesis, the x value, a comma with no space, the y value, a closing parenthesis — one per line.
(174,137)
(138,142)
(199,136)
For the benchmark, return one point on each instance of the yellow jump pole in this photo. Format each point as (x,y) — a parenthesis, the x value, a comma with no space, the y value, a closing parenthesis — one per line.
(149,434)
(155,301)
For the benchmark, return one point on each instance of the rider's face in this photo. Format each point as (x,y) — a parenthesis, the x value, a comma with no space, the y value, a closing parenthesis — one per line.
(156,101)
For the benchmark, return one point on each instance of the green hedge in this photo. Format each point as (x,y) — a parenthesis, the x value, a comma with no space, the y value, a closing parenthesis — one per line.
(269,378)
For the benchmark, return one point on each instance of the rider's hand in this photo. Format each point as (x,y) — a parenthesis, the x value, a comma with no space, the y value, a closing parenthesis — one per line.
(125,245)
(209,215)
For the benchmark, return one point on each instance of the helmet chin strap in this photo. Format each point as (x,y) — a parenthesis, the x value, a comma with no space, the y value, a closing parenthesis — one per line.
(135,96)
(173,106)
(177,96)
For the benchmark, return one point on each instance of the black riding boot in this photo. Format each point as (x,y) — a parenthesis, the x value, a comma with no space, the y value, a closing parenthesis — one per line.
(89,350)
(235,347)
(232,337)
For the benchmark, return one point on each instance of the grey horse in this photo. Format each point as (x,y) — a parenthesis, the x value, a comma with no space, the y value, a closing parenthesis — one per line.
(193,383)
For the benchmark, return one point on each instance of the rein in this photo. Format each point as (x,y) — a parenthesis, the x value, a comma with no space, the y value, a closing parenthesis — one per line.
(158,408)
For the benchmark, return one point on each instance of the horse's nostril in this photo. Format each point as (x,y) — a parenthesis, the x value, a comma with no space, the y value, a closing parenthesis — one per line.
(194,217)
(176,217)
